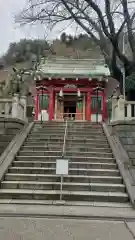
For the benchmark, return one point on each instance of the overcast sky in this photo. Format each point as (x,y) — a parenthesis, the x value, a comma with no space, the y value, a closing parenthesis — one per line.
(10,32)
(7,27)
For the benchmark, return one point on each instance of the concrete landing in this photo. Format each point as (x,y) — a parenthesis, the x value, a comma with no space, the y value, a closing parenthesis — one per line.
(97,222)
(67,229)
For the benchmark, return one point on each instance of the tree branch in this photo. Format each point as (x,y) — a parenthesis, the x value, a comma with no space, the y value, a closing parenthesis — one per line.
(109,17)
(95,7)
(129,26)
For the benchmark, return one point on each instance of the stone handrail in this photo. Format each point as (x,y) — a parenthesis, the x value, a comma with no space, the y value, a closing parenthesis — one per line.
(13,107)
(122,109)
(130,109)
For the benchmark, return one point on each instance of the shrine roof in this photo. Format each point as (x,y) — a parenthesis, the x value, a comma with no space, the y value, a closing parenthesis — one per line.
(69,67)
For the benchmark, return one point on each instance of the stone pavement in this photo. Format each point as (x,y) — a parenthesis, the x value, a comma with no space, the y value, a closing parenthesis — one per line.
(54,222)
(64,229)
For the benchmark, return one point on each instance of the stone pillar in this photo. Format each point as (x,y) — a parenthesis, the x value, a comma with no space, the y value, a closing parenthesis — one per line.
(1,104)
(36,107)
(129,111)
(104,106)
(7,109)
(78,115)
(88,107)
(51,105)
(55,108)
(121,108)
(15,106)
(84,109)
(114,102)
(59,113)
(1,90)
(23,101)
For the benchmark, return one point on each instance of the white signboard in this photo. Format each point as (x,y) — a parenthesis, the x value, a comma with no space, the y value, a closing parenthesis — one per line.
(62,166)
(70,86)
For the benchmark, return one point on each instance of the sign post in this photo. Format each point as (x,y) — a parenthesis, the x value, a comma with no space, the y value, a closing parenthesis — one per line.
(62,170)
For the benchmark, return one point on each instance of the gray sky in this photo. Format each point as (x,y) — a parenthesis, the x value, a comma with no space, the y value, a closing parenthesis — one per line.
(7,27)
(11,32)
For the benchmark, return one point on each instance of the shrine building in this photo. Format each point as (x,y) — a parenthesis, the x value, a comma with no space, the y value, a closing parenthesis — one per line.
(73,89)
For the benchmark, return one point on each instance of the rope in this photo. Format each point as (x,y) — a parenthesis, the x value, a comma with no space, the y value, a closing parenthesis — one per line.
(64,144)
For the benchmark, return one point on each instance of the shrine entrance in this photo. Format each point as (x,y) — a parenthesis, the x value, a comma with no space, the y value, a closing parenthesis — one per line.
(71,88)
(70,106)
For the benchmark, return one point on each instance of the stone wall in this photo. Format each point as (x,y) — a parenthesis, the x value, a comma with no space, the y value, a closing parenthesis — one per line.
(125,130)
(9,127)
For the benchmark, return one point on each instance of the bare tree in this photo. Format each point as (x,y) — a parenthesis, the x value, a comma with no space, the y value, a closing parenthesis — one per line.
(105,21)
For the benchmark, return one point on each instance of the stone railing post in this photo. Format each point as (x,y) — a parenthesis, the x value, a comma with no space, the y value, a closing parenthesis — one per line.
(121,108)
(23,101)
(7,109)
(15,106)
(114,102)
(1,104)
(129,111)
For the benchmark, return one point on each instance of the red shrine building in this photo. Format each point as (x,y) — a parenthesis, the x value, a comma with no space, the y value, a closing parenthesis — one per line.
(73,89)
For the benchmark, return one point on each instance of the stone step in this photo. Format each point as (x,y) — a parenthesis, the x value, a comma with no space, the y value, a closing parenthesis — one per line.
(45,137)
(72,158)
(87,132)
(76,141)
(27,202)
(58,131)
(68,142)
(42,136)
(66,195)
(59,134)
(68,153)
(74,171)
(48,128)
(49,143)
(56,178)
(94,187)
(43,148)
(56,125)
(40,153)
(70,123)
(70,131)
(69,135)
(84,138)
(85,149)
(3,147)
(6,138)
(47,133)
(49,124)
(44,141)
(12,131)
(90,153)
(52,147)
(3,144)
(71,164)
(74,127)
(83,126)
(51,129)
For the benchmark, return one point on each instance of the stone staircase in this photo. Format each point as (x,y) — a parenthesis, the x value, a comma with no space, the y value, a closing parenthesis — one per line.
(93,172)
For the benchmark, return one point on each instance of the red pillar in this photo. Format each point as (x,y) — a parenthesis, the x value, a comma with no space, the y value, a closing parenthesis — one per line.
(36,108)
(103,106)
(51,105)
(88,107)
